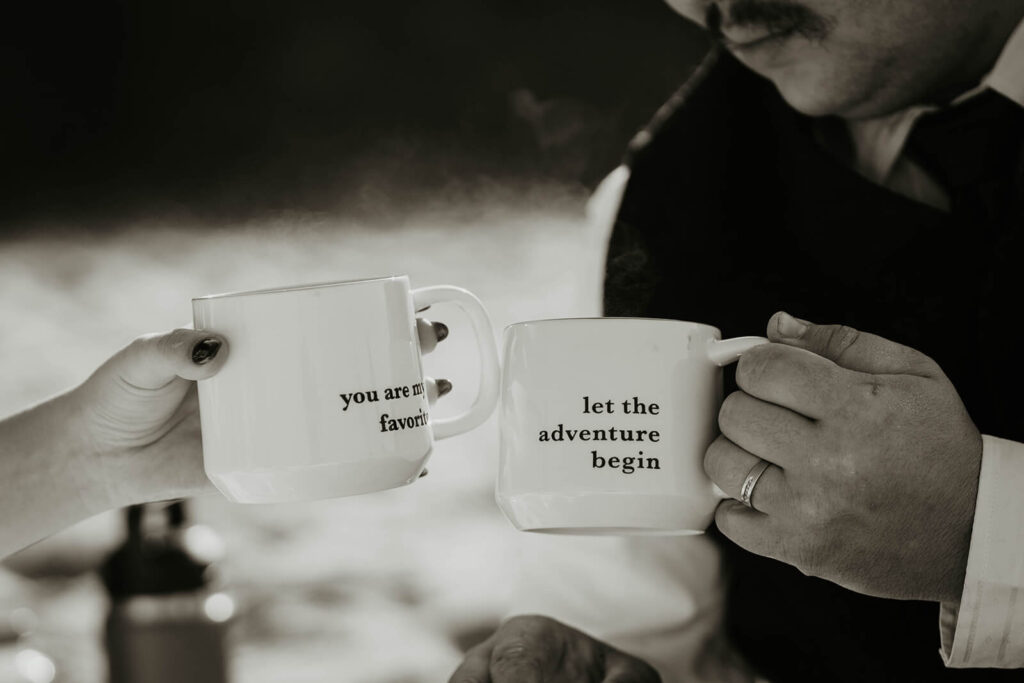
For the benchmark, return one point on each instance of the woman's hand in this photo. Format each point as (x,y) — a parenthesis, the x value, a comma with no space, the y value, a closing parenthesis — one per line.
(129,434)
(138,419)
(139,414)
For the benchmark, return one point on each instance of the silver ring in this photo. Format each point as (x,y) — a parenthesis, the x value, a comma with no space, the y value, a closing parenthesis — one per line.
(747,490)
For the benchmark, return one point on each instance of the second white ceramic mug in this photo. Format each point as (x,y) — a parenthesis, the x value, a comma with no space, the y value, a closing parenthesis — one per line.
(323,392)
(604,424)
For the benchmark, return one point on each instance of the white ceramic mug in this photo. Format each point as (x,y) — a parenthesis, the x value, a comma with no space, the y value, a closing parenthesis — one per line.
(323,392)
(604,424)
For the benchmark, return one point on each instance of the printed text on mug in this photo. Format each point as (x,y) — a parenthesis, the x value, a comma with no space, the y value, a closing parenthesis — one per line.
(388,422)
(634,408)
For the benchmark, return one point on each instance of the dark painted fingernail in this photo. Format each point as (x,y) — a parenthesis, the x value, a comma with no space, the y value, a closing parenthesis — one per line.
(441,330)
(205,351)
(443,387)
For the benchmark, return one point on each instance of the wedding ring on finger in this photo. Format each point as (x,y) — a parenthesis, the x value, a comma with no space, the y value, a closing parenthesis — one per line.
(753,476)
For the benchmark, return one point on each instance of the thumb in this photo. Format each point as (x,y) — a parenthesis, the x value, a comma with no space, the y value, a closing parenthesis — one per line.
(155,360)
(850,348)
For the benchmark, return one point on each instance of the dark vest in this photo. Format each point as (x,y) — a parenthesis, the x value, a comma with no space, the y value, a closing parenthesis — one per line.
(733,197)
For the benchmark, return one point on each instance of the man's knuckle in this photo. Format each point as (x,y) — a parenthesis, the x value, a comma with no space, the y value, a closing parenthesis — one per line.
(753,365)
(840,339)
(713,459)
(512,649)
(763,366)
(515,653)
(727,411)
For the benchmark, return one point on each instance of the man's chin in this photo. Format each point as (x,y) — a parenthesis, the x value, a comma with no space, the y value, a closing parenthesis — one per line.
(851,108)
(816,96)
(811,82)
(843,93)
(811,102)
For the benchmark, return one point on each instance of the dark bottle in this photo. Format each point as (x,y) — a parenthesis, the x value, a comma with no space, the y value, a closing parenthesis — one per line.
(167,622)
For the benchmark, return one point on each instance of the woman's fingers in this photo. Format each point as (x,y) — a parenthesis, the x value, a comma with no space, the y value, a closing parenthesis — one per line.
(430,334)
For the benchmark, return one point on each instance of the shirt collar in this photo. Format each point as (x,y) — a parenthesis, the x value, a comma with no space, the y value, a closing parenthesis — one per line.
(878,143)
(1007,78)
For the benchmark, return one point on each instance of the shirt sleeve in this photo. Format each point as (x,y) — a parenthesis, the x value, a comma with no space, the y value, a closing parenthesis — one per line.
(986,628)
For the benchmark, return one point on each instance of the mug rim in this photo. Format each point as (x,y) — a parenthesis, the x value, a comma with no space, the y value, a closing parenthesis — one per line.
(556,321)
(298,288)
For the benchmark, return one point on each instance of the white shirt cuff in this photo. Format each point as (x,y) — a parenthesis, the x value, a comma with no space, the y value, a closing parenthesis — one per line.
(986,629)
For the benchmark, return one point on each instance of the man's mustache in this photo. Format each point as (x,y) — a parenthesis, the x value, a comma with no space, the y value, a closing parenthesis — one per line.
(776,16)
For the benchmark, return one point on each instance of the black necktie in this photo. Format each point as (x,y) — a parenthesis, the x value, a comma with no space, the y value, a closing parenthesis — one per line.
(974,150)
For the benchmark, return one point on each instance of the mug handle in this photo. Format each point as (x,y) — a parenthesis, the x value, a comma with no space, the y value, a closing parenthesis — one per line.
(725,351)
(487,393)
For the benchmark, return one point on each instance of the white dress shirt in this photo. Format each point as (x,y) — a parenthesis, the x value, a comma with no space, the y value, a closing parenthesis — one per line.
(661,599)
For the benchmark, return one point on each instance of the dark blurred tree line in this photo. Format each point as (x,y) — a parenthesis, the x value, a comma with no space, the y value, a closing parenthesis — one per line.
(227,109)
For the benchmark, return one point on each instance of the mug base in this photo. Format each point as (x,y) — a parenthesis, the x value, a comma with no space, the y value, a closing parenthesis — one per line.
(614,531)
(315,482)
(608,513)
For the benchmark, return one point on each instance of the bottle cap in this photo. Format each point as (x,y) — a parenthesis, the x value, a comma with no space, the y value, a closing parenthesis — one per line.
(155,559)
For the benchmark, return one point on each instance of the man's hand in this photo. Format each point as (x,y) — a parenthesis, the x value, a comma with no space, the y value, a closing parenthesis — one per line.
(875,461)
(533,649)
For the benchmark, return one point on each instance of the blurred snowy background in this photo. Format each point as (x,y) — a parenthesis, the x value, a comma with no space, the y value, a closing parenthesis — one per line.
(375,588)
(157,153)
